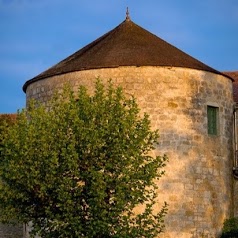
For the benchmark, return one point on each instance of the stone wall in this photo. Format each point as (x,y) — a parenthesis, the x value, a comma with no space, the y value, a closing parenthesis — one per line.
(10,231)
(198,181)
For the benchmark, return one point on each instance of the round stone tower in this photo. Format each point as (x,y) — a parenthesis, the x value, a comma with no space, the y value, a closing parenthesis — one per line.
(189,102)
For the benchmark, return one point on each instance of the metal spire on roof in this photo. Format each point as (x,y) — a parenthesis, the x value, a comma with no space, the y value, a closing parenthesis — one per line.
(127,14)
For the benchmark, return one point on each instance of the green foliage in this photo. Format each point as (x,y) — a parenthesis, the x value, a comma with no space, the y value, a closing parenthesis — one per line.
(79,168)
(6,120)
(230,228)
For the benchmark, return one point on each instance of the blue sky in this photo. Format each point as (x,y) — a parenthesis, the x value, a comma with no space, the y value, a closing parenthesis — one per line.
(36,34)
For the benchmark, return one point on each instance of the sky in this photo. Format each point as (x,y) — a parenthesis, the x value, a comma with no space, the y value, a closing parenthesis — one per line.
(37,34)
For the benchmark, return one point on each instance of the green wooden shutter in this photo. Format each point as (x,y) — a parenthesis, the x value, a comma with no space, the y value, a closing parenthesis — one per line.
(212,120)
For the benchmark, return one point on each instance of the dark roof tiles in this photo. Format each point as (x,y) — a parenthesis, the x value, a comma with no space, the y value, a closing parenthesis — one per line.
(126,45)
(9,118)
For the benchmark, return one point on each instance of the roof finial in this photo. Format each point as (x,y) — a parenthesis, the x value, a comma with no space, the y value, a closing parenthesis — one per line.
(127,14)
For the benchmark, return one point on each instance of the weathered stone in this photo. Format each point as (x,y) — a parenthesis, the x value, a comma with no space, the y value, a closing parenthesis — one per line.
(198,176)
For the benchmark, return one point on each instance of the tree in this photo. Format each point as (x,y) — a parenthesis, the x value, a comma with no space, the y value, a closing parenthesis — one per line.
(79,168)
(6,120)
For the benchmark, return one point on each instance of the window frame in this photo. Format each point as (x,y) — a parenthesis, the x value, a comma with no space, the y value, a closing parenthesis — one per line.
(212,120)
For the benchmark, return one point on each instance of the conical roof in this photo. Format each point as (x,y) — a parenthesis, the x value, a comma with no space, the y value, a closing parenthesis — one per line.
(126,45)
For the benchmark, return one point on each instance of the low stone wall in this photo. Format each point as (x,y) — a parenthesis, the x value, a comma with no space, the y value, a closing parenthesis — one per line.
(10,231)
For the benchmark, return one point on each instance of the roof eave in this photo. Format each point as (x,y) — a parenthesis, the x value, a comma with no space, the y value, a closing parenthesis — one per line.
(39,77)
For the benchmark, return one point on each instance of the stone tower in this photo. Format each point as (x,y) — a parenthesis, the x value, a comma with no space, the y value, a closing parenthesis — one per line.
(189,102)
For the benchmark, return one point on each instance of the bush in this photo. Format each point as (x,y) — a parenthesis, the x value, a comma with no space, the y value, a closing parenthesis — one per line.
(230,228)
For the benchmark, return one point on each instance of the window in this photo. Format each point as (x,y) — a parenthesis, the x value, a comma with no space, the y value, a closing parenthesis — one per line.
(212,120)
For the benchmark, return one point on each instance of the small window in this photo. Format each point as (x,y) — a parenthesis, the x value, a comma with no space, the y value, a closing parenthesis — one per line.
(212,120)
